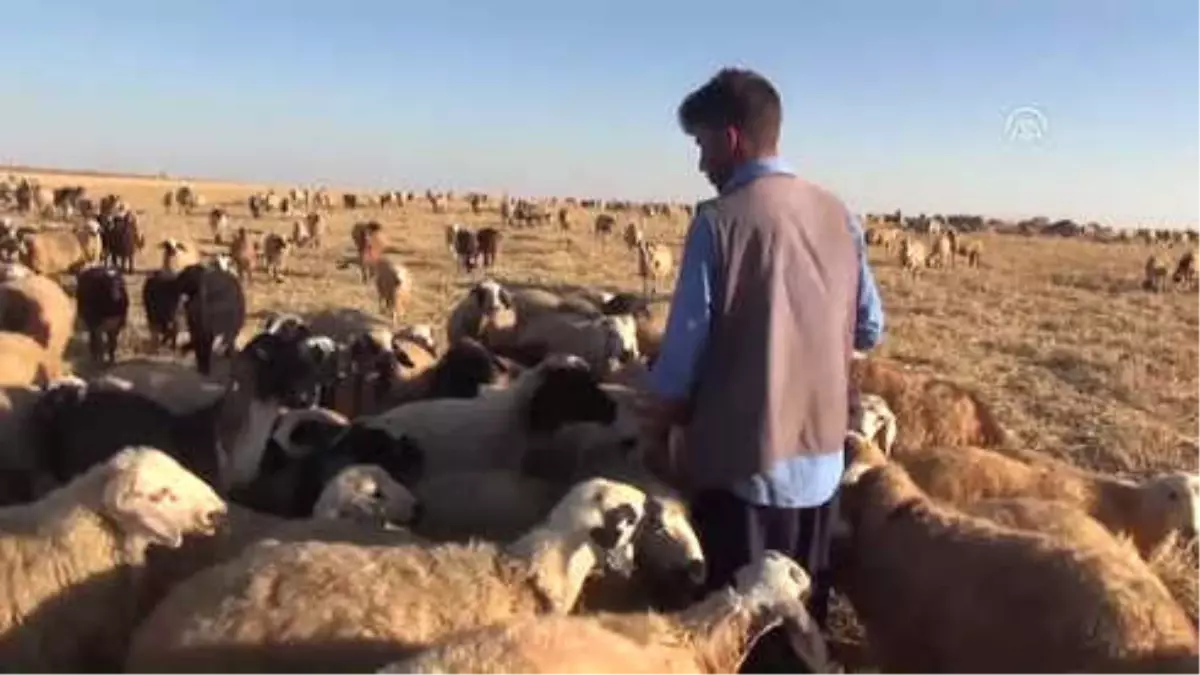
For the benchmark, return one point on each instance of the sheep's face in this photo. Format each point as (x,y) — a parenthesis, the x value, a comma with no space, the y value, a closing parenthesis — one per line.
(610,514)
(566,390)
(491,297)
(151,495)
(289,367)
(620,335)
(1174,500)
(872,416)
(667,542)
(366,493)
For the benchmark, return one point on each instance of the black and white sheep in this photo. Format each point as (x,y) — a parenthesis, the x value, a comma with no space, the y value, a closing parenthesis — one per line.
(215,311)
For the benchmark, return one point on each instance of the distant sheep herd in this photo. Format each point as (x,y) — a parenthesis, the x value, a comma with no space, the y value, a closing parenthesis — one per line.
(341,493)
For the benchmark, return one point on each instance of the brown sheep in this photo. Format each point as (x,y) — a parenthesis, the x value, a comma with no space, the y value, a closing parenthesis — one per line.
(241,251)
(315,225)
(369,245)
(53,252)
(25,362)
(564,219)
(299,237)
(394,284)
(633,237)
(1149,511)
(604,226)
(973,251)
(274,252)
(488,239)
(929,410)
(913,255)
(40,308)
(218,223)
(486,314)
(1185,270)
(991,598)
(1156,273)
(655,264)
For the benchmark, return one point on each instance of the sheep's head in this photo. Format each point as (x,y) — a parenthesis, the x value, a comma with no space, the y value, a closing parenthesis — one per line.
(1171,501)
(288,367)
(367,493)
(620,337)
(491,297)
(608,513)
(668,544)
(871,417)
(149,494)
(772,589)
(566,390)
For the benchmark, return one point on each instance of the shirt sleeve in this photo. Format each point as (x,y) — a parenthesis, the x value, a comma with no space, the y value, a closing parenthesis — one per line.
(690,316)
(868,330)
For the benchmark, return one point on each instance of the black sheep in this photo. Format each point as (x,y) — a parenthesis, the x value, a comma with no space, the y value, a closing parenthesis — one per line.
(103,304)
(215,310)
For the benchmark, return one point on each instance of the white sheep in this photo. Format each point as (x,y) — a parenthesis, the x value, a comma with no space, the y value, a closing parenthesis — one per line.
(604,342)
(991,598)
(872,417)
(322,607)
(495,429)
(70,583)
(712,636)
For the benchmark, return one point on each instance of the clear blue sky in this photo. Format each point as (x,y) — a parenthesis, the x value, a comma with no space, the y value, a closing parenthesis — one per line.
(891,103)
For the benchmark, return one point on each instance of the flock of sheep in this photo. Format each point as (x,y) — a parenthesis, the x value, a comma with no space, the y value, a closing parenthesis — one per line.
(342,493)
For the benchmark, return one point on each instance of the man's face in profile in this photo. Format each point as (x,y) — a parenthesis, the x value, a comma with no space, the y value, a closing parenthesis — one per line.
(716,153)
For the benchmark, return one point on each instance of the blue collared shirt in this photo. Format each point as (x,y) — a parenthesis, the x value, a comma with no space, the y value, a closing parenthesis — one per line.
(801,482)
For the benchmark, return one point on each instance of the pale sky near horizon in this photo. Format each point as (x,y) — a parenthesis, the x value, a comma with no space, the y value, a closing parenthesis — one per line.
(892,104)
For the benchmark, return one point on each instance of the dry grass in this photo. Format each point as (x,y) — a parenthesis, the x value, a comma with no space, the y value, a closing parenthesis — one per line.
(1055,334)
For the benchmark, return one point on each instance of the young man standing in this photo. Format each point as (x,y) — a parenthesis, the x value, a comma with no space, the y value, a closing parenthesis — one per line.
(774,294)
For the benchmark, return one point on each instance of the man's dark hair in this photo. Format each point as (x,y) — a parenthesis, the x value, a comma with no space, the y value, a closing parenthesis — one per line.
(739,98)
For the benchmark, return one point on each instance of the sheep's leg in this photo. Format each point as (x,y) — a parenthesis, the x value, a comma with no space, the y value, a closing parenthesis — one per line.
(95,348)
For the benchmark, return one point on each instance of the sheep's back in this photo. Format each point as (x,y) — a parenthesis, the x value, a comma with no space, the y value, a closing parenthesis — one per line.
(322,607)
(941,592)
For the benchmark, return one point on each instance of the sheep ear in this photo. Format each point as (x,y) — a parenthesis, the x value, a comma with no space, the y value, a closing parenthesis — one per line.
(143,510)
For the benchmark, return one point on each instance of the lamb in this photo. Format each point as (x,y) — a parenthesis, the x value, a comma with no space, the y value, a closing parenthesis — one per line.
(39,308)
(485,314)
(1156,273)
(24,362)
(1148,511)
(466,248)
(122,240)
(160,300)
(654,265)
(71,582)
(913,255)
(218,224)
(489,245)
(604,342)
(274,253)
(401,598)
(314,225)
(972,251)
(394,284)
(1185,269)
(103,302)
(1063,608)
(242,251)
(712,636)
(370,244)
(495,429)
(930,411)
(633,237)
(943,251)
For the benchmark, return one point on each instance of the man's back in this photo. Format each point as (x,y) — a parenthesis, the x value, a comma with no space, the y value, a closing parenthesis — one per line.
(774,378)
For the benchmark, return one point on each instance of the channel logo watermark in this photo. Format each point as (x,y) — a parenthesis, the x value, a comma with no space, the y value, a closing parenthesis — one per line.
(1026,125)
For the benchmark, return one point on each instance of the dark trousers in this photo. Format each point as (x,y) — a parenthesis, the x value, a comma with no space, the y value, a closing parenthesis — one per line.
(734,532)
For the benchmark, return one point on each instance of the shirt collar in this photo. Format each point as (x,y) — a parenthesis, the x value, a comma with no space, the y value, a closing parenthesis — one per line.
(755,168)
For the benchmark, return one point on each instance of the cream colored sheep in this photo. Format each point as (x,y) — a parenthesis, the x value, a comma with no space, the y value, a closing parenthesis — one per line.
(25,362)
(655,264)
(1148,511)
(990,598)
(497,428)
(275,255)
(712,636)
(394,285)
(604,342)
(1061,520)
(52,252)
(178,255)
(633,237)
(485,313)
(321,607)
(415,351)
(71,584)
(176,387)
(913,255)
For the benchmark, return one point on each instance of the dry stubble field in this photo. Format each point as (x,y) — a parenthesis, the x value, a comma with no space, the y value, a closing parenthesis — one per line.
(1056,334)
